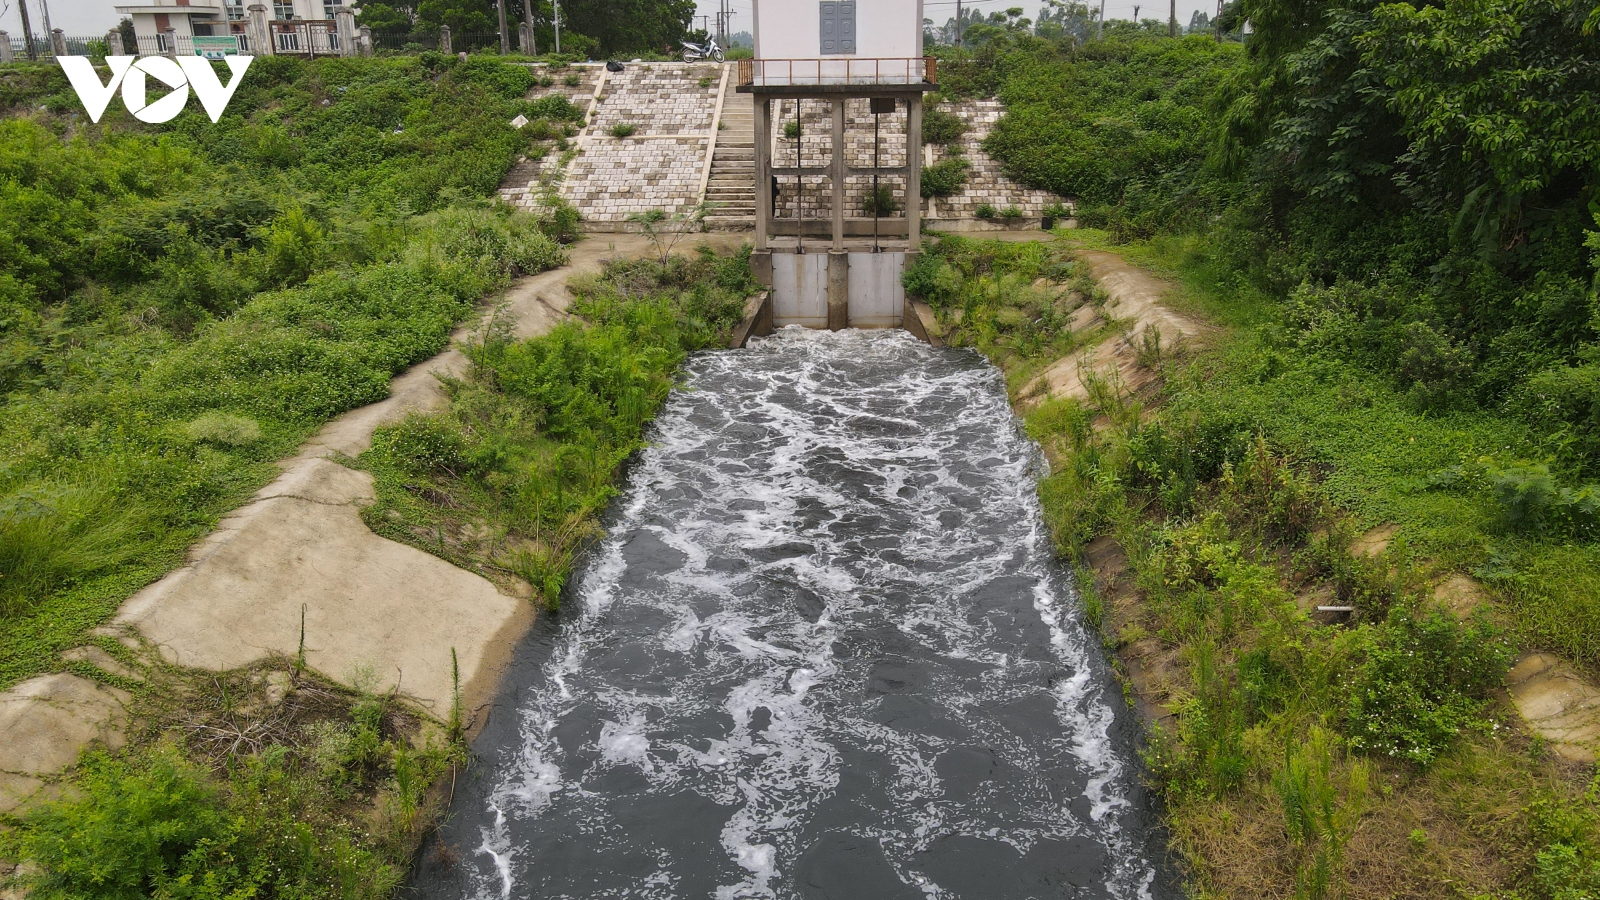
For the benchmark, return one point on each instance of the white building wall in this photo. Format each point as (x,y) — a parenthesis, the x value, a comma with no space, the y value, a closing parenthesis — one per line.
(790,29)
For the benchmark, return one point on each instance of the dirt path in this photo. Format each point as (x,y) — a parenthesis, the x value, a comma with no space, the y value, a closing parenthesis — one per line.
(1134,302)
(369,603)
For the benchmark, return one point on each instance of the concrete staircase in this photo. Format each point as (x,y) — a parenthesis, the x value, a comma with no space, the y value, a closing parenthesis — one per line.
(732,187)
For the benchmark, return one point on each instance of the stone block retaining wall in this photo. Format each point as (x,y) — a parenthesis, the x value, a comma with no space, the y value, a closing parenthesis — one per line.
(985,182)
(657,167)
(660,165)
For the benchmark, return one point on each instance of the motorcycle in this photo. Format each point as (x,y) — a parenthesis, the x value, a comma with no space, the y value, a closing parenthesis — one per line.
(693,52)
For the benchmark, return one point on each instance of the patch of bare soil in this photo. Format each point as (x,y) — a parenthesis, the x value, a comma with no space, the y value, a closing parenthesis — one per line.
(1142,329)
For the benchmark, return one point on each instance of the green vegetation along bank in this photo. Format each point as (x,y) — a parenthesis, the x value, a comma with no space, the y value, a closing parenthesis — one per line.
(1389,212)
(1419,197)
(180,306)
(274,782)
(1212,510)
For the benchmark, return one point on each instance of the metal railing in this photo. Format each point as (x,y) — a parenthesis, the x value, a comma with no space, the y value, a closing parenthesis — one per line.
(180,44)
(304,37)
(406,43)
(839,70)
(76,46)
(165,45)
(429,40)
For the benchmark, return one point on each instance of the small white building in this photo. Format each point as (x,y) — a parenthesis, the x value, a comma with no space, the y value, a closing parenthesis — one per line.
(169,26)
(838,41)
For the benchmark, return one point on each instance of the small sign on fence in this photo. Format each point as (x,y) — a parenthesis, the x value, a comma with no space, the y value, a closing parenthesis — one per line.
(216,47)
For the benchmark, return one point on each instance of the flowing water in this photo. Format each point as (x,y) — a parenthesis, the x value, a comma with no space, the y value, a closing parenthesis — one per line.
(824,652)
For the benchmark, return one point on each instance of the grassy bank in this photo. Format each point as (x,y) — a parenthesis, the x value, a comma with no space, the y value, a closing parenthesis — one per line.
(181,305)
(275,782)
(511,482)
(1215,509)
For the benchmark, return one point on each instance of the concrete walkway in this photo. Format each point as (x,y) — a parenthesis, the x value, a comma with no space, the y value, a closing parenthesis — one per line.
(370,603)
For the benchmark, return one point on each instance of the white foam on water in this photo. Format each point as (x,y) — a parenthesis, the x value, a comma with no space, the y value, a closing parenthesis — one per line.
(803,490)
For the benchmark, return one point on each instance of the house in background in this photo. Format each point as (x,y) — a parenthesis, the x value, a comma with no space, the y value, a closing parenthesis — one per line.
(297,26)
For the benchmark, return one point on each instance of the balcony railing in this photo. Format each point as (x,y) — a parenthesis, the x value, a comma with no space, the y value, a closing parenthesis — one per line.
(304,37)
(839,70)
(165,45)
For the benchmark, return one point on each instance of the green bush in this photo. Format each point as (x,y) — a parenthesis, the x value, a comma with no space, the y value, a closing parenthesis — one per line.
(1423,679)
(931,280)
(556,107)
(223,429)
(880,201)
(424,444)
(155,830)
(1565,400)
(334,812)
(941,127)
(945,178)
(985,211)
(622,130)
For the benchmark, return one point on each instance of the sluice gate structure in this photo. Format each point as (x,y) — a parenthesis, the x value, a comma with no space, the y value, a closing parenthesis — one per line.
(838,158)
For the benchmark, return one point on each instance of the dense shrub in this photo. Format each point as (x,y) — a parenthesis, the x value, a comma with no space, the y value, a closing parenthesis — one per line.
(534,437)
(1423,678)
(1325,167)
(945,177)
(556,107)
(941,126)
(327,801)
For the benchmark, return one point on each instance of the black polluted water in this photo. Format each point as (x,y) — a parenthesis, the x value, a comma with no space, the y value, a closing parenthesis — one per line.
(823,651)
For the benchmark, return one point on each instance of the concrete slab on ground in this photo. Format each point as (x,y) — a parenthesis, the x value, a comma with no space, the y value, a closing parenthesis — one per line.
(1558,703)
(45,723)
(1135,297)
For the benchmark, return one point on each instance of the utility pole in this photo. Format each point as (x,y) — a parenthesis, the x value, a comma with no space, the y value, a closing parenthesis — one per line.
(556,4)
(48,30)
(1216,26)
(505,39)
(1100,26)
(27,30)
(1172,23)
(958,22)
(533,38)
(1136,14)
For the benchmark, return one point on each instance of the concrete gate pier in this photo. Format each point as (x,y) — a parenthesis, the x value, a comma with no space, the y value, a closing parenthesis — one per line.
(821,94)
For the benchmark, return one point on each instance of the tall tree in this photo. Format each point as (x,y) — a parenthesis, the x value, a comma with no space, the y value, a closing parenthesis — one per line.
(629,26)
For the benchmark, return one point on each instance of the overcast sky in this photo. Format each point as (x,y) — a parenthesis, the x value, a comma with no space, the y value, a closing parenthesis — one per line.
(92,17)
